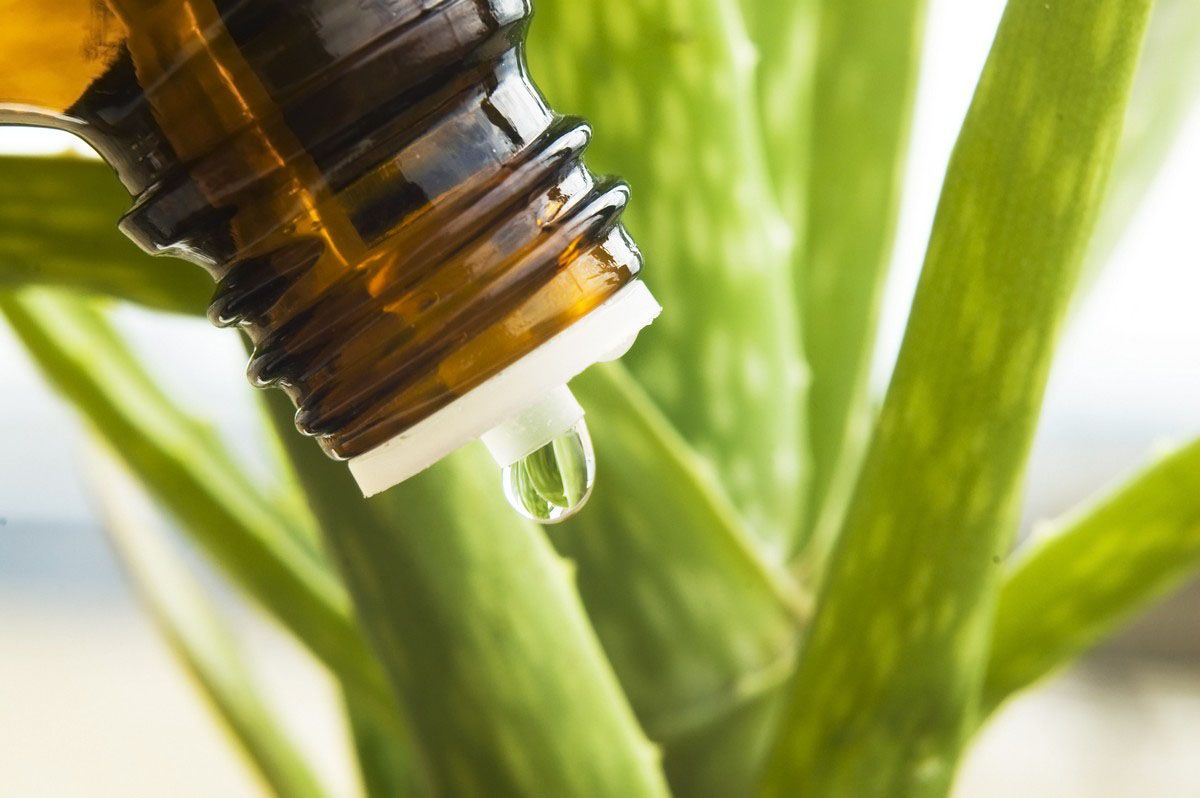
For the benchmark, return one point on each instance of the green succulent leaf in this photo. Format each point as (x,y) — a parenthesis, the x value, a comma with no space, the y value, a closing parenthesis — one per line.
(888,683)
(59,218)
(384,753)
(866,74)
(786,38)
(669,88)
(699,626)
(198,635)
(479,626)
(1093,570)
(185,467)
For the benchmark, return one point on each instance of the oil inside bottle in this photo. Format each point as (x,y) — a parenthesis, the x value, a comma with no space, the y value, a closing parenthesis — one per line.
(553,483)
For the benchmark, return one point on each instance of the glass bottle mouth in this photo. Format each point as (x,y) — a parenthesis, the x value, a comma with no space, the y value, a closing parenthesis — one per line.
(521,409)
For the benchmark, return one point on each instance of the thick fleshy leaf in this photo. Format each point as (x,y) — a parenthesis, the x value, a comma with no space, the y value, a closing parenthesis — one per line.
(45,203)
(1093,570)
(384,753)
(786,38)
(888,683)
(700,628)
(478,624)
(197,634)
(866,74)
(551,687)
(186,469)
(669,88)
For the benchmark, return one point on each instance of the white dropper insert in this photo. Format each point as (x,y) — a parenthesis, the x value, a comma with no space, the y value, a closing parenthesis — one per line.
(534,427)
(523,408)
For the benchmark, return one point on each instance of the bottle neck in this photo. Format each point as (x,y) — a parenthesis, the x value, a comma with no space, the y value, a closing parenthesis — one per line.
(392,213)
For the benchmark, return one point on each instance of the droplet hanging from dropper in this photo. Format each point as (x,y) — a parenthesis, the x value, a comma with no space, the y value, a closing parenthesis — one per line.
(553,483)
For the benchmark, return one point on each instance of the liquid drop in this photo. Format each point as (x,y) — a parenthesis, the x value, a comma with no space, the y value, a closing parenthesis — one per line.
(553,483)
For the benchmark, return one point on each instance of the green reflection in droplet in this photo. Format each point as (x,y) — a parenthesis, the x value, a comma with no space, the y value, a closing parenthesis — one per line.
(554,482)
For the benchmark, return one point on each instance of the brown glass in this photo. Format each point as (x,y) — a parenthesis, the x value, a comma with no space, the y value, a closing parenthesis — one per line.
(390,210)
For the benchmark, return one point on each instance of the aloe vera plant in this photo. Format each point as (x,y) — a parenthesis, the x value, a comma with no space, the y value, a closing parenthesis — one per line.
(775,589)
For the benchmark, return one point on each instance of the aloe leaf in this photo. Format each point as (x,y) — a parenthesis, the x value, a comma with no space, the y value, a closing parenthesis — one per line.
(786,38)
(46,202)
(700,628)
(1093,570)
(866,74)
(184,466)
(1165,91)
(670,89)
(478,624)
(888,683)
(198,635)
(383,753)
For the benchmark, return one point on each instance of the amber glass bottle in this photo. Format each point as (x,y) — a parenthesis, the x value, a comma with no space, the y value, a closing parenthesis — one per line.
(391,212)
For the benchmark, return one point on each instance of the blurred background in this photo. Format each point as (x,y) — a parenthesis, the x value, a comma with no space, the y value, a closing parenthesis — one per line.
(84,679)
